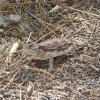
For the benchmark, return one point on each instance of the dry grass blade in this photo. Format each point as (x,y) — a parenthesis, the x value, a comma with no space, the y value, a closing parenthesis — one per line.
(75,76)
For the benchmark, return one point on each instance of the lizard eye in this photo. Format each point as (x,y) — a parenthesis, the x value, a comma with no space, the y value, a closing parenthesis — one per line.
(30,45)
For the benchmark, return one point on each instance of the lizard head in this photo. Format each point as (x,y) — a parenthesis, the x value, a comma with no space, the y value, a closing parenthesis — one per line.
(33,50)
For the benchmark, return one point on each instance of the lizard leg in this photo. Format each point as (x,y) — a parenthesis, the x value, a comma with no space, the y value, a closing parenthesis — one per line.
(51,60)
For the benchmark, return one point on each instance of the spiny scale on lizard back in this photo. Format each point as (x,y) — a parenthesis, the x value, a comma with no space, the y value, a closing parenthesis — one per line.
(55,45)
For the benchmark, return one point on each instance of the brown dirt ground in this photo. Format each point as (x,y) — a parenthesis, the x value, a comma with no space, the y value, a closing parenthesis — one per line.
(75,77)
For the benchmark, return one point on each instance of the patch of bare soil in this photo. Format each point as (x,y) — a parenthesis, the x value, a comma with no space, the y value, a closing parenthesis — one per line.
(74,77)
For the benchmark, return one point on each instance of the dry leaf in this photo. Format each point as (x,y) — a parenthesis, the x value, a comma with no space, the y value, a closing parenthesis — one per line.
(29,89)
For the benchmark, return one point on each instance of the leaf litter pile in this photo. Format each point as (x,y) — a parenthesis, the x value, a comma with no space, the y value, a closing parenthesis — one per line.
(75,76)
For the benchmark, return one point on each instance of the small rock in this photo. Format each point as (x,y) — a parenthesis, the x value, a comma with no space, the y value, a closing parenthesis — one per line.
(4,21)
(18,1)
(4,2)
(7,94)
(15,17)
(1,96)
(13,94)
(55,9)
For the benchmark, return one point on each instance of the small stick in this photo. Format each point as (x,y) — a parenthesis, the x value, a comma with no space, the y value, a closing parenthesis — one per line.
(85,12)
(29,37)
(20,94)
(95,68)
(11,80)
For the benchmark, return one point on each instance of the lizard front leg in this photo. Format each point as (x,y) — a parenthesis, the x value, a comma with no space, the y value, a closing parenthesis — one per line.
(51,60)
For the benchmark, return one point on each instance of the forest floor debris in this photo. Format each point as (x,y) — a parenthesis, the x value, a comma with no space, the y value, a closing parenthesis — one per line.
(75,77)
